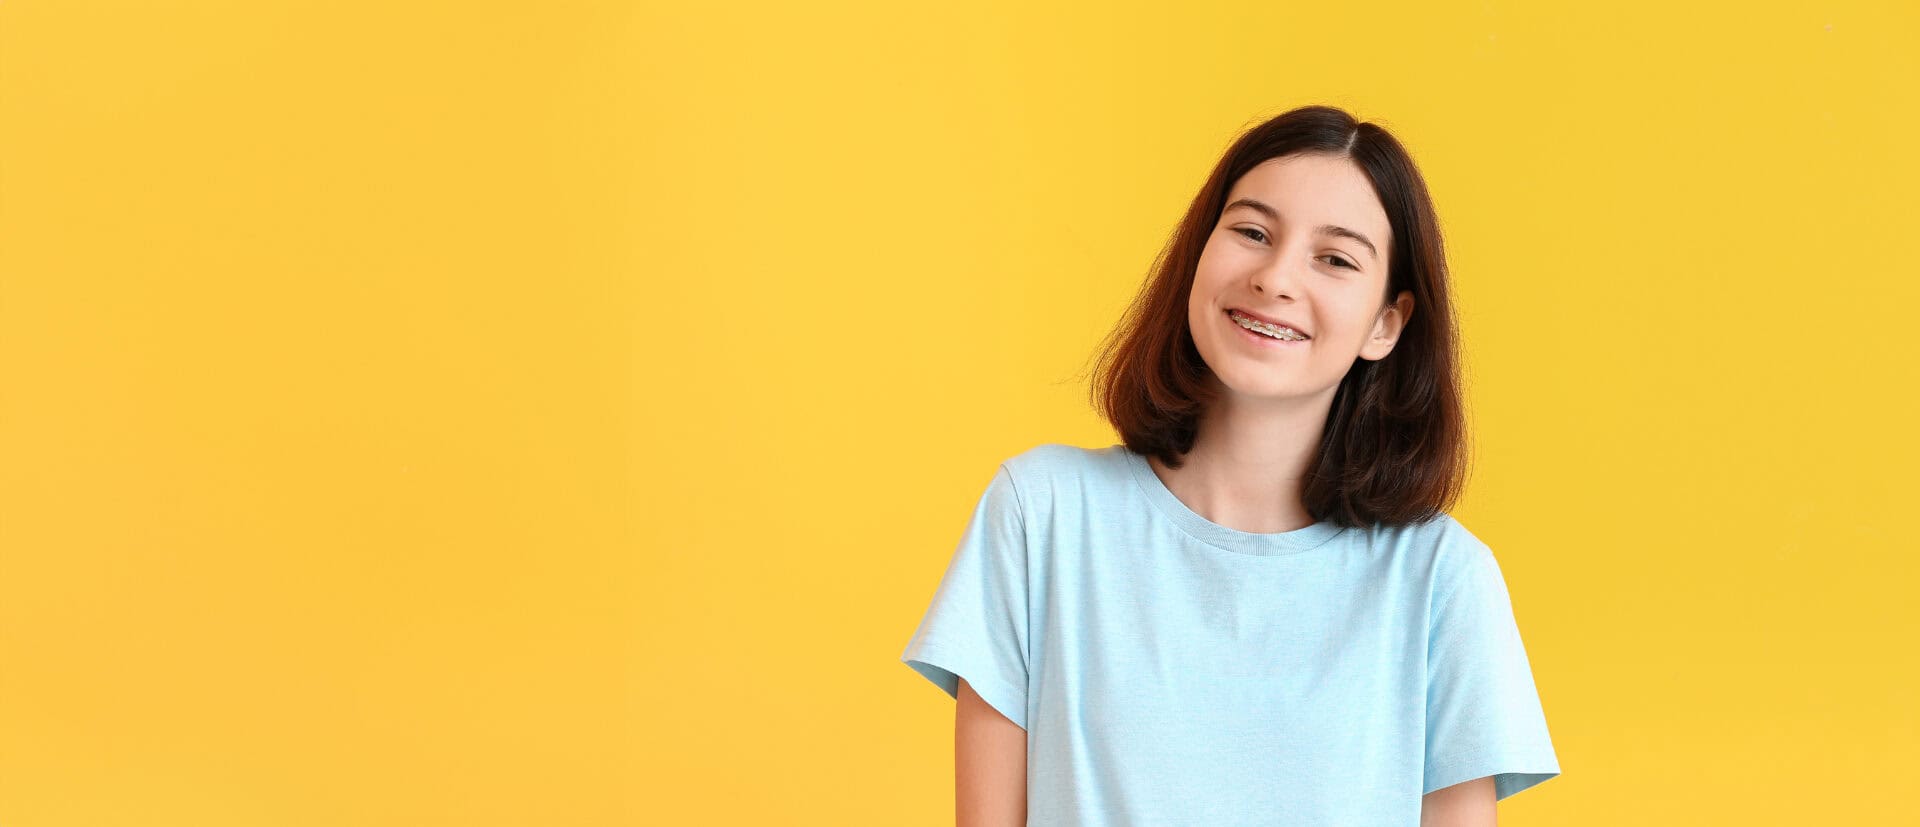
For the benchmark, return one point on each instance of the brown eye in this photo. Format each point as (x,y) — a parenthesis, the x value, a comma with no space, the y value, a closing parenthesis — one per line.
(1341,262)
(1246,230)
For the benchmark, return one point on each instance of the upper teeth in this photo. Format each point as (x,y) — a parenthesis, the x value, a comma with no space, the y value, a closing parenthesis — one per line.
(1274,330)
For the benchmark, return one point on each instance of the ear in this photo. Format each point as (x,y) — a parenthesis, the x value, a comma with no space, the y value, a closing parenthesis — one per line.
(1387,328)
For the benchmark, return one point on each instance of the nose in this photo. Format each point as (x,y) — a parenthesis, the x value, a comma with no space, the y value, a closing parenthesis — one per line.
(1277,279)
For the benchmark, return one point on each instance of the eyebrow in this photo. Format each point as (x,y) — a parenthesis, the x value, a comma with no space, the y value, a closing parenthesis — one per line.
(1325,229)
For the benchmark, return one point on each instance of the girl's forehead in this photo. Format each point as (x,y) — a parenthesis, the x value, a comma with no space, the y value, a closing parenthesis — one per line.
(1305,182)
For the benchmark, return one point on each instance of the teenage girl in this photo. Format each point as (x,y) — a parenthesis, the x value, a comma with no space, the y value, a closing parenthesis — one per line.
(1255,609)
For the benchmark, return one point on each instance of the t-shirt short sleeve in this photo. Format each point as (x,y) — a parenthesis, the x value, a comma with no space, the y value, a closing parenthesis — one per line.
(1483,711)
(976,627)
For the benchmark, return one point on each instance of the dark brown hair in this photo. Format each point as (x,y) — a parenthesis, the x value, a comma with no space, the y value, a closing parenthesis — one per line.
(1394,448)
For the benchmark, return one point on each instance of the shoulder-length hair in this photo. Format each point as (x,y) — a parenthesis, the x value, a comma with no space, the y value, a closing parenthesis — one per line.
(1394,447)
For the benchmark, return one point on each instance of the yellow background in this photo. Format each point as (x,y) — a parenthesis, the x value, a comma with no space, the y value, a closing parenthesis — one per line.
(562,413)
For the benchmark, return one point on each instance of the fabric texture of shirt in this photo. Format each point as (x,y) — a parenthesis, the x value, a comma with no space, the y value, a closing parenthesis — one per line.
(1172,670)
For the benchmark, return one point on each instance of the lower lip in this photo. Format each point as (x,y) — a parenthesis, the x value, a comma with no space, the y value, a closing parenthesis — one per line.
(1267,341)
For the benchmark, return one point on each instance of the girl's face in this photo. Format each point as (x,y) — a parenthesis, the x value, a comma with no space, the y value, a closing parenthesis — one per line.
(1303,242)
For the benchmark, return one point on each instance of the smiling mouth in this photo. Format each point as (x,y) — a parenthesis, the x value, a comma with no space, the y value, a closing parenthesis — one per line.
(1271,331)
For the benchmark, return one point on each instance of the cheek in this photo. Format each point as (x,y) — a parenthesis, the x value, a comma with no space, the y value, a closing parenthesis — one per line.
(1209,277)
(1196,310)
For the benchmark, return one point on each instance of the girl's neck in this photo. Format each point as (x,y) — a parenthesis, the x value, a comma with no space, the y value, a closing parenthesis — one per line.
(1248,461)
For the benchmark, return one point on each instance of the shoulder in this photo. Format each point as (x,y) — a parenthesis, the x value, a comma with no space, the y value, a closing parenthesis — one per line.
(1442,548)
(1464,565)
(1053,458)
(1457,545)
(1055,475)
(1054,465)
(1443,539)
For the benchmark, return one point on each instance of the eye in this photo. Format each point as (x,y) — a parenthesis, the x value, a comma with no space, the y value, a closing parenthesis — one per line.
(1261,237)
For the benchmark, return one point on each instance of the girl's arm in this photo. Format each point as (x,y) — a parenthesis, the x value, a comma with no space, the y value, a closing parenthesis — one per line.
(989,765)
(1466,804)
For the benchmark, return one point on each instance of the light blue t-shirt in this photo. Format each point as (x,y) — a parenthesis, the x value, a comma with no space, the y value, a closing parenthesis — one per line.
(1172,670)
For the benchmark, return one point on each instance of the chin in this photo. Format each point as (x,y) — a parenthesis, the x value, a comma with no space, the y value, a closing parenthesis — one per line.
(1262,387)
